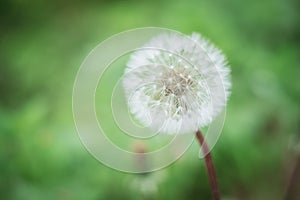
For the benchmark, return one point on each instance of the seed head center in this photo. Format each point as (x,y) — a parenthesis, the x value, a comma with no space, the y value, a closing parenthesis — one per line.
(176,82)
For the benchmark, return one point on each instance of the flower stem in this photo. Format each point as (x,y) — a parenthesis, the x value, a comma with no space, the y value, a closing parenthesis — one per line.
(292,192)
(209,166)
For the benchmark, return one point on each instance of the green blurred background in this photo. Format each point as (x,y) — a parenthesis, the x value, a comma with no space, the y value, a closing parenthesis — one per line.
(42,46)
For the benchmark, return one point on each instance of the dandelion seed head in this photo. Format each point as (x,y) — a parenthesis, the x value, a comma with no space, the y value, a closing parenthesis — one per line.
(177,84)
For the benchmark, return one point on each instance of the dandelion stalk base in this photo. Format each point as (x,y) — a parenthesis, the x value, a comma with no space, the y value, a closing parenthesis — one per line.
(209,166)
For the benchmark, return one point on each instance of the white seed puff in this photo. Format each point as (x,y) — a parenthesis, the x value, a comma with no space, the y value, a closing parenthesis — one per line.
(176,83)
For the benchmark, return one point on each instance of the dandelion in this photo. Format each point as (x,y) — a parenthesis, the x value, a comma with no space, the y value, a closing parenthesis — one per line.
(178,86)
(177,89)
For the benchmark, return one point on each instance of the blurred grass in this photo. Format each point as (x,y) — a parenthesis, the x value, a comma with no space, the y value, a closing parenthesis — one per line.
(43,44)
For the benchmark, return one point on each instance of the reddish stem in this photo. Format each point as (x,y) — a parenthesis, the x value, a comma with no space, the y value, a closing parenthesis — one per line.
(209,166)
(292,192)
